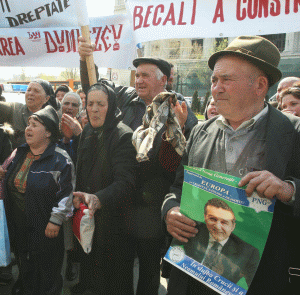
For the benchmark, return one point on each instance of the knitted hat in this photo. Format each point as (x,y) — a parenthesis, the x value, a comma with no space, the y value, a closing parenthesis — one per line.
(49,117)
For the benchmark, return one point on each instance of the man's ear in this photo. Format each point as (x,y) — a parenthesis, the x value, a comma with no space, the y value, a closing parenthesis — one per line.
(234,223)
(262,86)
(48,134)
(47,97)
(164,80)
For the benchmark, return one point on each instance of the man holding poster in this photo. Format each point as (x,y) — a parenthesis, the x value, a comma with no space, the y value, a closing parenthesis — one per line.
(252,141)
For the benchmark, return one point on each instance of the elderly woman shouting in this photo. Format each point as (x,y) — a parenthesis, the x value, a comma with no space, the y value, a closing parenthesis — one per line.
(70,126)
(38,198)
(38,94)
(106,167)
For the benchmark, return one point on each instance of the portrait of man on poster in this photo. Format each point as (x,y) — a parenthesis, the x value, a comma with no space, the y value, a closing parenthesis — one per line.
(216,247)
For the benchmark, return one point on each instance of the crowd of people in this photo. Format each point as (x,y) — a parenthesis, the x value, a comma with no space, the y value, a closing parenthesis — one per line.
(122,150)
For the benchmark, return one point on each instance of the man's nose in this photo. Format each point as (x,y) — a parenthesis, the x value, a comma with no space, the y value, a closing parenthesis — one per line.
(138,80)
(218,86)
(218,225)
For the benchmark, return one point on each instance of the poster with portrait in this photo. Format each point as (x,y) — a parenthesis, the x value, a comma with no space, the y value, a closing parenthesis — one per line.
(232,231)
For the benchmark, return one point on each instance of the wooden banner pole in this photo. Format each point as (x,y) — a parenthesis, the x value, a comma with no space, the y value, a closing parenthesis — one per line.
(85,31)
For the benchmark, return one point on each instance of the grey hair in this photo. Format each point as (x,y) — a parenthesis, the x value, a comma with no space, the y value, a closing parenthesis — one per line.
(159,75)
(75,95)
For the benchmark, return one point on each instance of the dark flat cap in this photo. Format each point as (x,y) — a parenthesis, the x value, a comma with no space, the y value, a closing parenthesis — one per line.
(163,65)
(257,50)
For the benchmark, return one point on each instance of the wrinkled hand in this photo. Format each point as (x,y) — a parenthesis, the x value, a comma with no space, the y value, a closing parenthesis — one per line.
(180,226)
(267,186)
(52,230)
(70,126)
(2,173)
(90,200)
(84,48)
(180,111)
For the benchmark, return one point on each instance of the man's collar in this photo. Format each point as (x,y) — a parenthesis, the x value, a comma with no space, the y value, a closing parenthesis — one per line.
(212,240)
(223,123)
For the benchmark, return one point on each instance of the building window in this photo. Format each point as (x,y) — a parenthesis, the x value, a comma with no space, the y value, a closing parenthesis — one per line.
(221,43)
(199,42)
(174,52)
(277,39)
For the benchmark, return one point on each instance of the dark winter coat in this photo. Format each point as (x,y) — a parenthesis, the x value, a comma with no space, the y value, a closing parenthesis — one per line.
(114,181)
(5,142)
(48,196)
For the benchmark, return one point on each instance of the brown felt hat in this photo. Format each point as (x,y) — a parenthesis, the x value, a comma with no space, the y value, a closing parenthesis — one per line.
(257,50)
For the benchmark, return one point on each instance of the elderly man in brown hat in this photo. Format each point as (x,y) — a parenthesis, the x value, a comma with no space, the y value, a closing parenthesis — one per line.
(255,142)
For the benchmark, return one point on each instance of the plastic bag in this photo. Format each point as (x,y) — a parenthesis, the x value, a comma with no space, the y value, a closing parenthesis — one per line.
(4,238)
(83,228)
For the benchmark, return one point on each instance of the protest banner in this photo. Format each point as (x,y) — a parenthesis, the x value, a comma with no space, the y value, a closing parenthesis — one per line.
(42,13)
(232,231)
(215,18)
(57,47)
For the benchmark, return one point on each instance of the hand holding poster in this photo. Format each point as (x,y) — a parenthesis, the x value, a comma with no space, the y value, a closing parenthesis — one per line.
(232,231)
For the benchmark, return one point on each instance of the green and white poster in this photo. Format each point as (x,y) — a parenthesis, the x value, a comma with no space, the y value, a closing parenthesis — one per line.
(232,231)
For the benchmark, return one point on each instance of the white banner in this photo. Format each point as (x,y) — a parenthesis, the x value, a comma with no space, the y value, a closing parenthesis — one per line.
(42,13)
(161,19)
(57,47)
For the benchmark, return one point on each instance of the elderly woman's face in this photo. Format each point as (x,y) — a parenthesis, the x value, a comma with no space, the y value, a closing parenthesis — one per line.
(211,110)
(36,134)
(70,106)
(35,97)
(291,104)
(97,106)
(60,95)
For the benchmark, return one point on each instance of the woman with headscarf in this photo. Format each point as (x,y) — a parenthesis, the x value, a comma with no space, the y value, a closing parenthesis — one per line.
(105,180)
(38,94)
(38,197)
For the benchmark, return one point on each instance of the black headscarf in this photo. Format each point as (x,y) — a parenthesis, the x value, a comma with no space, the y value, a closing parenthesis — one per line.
(113,115)
(50,119)
(49,92)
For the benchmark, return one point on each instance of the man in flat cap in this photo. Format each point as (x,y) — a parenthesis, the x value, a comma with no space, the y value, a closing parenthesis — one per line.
(153,181)
(253,141)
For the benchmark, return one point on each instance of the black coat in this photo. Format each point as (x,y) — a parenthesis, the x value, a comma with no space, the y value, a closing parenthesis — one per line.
(113,182)
(5,143)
